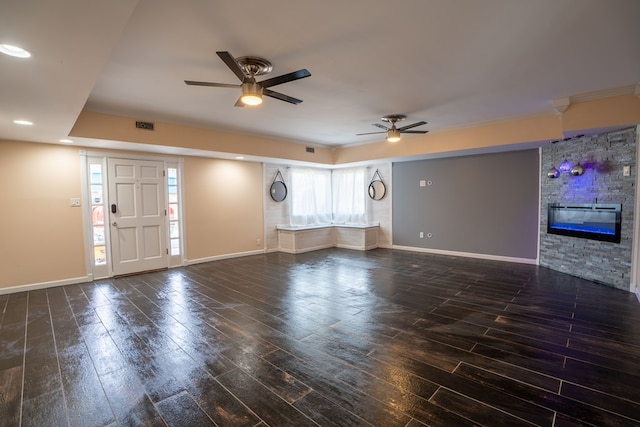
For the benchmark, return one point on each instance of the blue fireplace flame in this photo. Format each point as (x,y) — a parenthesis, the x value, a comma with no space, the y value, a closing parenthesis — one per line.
(589,221)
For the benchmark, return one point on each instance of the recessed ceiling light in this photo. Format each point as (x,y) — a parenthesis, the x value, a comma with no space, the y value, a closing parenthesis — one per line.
(23,122)
(16,51)
(66,141)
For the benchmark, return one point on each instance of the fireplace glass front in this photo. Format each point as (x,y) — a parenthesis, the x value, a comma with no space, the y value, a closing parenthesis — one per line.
(589,221)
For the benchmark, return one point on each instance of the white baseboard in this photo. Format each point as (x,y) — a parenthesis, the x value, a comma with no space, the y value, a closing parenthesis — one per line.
(45,285)
(638,293)
(309,249)
(356,248)
(467,255)
(225,256)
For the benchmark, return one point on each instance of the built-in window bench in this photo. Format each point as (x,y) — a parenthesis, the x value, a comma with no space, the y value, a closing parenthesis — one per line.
(298,239)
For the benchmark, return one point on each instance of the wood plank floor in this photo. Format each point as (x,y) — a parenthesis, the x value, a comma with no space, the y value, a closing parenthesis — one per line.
(333,337)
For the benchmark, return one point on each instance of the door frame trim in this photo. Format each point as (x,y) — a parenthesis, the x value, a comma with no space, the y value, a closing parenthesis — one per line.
(86,211)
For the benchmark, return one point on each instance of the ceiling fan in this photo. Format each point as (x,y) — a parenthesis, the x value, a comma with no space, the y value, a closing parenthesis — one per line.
(393,133)
(246,68)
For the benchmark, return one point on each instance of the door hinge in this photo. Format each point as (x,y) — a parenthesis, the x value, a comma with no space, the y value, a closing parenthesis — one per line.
(165,212)
(163,173)
(167,251)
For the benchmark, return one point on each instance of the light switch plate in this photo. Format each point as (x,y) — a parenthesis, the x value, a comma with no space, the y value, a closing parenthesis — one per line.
(74,202)
(626,170)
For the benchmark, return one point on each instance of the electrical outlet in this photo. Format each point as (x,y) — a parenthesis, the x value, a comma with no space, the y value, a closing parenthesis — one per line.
(626,171)
(258,241)
(422,235)
(423,183)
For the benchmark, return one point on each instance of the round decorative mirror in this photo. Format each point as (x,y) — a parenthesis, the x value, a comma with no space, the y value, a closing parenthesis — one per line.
(278,190)
(377,189)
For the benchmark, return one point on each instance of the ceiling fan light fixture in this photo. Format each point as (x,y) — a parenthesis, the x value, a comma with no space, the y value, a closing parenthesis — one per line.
(251,94)
(393,135)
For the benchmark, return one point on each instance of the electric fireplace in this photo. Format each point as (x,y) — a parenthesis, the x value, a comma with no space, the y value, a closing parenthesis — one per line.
(589,221)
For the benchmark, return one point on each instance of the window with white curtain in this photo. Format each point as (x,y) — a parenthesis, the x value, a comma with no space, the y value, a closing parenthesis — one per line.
(320,196)
(310,196)
(349,196)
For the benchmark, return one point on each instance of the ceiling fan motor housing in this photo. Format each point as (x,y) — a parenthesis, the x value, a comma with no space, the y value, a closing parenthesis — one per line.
(393,118)
(254,65)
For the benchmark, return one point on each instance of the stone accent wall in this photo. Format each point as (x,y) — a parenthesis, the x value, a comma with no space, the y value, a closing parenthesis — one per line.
(603,157)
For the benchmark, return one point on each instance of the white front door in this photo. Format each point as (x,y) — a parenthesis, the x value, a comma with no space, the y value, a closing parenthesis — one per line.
(137,215)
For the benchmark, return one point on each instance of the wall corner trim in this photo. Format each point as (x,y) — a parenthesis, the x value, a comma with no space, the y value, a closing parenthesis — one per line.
(560,105)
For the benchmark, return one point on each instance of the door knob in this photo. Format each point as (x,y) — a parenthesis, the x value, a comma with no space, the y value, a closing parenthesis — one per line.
(115,224)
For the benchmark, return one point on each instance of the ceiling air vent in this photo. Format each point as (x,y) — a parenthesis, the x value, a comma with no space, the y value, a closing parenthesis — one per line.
(311,150)
(144,125)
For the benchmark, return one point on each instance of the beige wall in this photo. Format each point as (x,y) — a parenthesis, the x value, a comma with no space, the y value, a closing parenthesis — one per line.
(118,128)
(580,117)
(587,117)
(223,207)
(41,235)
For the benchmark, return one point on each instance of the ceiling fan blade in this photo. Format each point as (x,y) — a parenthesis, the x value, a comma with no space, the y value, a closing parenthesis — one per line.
(413,131)
(411,126)
(368,133)
(378,125)
(233,65)
(281,96)
(194,83)
(285,78)
(239,103)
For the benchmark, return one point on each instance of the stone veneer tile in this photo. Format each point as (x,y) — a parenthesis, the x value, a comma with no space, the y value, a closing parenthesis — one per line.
(603,157)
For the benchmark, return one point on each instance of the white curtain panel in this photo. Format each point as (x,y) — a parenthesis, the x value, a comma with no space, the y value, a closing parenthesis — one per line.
(349,196)
(321,196)
(310,196)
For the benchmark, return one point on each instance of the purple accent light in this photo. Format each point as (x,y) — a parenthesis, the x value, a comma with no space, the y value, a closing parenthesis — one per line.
(565,166)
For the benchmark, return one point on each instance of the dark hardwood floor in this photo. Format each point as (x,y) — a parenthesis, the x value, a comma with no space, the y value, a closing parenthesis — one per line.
(333,337)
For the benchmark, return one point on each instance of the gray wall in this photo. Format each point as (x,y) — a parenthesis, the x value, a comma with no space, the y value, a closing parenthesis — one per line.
(603,157)
(484,204)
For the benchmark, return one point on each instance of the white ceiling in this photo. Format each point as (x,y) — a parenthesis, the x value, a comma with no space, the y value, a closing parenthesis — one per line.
(452,63)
